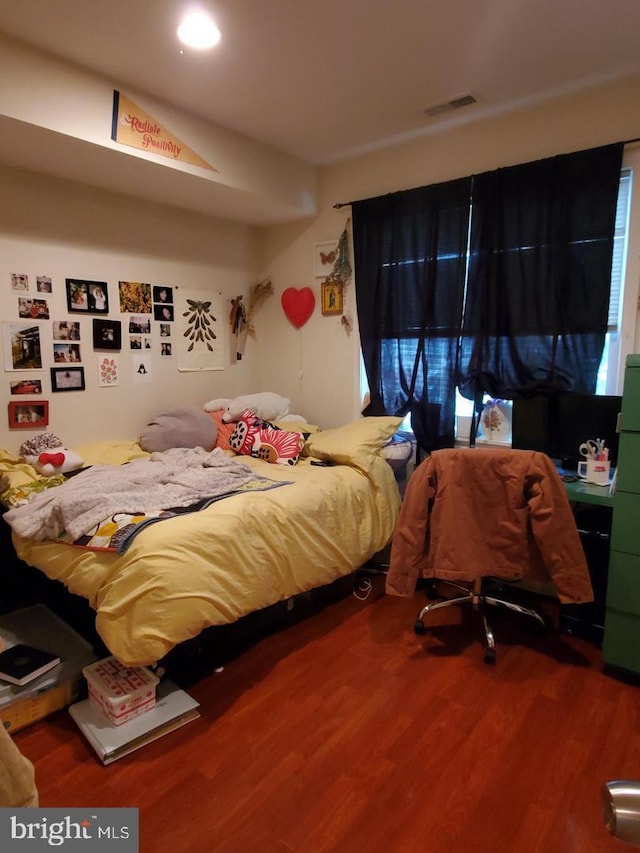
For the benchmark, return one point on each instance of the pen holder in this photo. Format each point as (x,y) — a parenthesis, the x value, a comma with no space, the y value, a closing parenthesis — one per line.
(595,471)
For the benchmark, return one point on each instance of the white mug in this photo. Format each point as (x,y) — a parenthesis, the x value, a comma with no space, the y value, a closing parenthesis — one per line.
(595,471)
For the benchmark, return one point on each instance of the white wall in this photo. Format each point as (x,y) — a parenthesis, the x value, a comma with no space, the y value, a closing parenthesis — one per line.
(318,364)
(61,229)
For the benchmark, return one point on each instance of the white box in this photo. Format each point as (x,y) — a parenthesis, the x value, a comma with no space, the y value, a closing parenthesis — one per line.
(121,692)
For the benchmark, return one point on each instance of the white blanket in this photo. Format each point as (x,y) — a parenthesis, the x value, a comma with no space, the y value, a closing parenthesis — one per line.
(177,477)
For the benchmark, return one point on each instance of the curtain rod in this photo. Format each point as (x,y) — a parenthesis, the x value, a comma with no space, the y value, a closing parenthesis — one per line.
(624,142)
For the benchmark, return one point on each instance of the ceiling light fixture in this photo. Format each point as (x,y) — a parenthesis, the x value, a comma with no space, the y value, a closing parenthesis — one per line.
(198,30)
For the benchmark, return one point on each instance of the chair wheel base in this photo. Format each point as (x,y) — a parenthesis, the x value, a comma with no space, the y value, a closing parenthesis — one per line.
(489,655)
(419,627)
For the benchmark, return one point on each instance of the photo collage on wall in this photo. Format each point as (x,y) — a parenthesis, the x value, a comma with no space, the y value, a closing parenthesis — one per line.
(150,310)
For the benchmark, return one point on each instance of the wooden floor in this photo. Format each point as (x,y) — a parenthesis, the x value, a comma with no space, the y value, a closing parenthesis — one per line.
(346,732)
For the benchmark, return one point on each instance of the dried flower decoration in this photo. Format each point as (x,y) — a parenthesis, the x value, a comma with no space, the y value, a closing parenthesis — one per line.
(257,295)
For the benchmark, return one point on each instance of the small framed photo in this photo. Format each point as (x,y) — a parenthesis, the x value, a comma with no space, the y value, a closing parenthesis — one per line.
(324,257)
(163,312)
(30,414)
(331,297)
(67,379)
(162,295)
(87,297)
(107,334)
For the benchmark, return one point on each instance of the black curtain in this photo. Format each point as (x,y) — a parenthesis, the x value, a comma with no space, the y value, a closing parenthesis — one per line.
(410,259)
(539,276)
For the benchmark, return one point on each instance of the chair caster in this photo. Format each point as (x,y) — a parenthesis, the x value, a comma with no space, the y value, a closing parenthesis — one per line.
(489,655)
(419,627)
(431,591)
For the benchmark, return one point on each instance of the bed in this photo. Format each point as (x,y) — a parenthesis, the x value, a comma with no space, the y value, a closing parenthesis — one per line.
(333,510)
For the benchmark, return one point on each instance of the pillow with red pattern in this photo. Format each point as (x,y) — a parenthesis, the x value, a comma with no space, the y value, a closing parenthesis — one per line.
(263,440)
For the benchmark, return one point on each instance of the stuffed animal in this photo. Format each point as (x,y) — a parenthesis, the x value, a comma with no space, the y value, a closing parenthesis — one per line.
(48,456)
(265,405)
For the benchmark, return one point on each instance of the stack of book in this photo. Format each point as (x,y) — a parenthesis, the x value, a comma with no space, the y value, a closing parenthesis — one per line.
(20,664)
(43,663)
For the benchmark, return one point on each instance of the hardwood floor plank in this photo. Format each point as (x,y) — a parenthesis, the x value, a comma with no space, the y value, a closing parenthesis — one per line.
(346,732)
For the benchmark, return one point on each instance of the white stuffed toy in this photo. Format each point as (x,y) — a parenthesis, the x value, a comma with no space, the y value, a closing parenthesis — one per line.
(265,405)
(47,455)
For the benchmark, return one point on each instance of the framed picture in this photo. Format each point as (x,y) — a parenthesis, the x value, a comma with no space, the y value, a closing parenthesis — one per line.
(331,297)
(163,295)
(67,378)
(163,312)
(324,257)
(28,414)
(107,334)
(87,297)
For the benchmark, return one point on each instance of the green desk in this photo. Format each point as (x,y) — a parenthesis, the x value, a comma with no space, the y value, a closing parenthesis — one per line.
(586,493)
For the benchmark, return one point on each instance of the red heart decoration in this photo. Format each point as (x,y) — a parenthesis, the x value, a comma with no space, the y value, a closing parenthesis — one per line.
(298,305)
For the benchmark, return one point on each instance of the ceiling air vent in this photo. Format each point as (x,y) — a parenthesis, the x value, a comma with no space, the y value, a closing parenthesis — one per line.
(448,106)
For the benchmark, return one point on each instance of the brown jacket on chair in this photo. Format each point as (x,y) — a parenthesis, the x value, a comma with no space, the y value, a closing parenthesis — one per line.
(473,512)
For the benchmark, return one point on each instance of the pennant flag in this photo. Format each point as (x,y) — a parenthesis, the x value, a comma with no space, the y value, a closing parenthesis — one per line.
(132,126)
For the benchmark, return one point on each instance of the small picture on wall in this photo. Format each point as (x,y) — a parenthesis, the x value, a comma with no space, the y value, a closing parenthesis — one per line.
(43,284)
(67,379)
(30,414)
(165,348)
(19,282)
(26,386)
(165,330)
(163,312)
(66,330)
(88,297)
(140,324)
(324,257)
(36,309)
(163,295)
(66,353)
(21,346)
(331,297)
(107,334)
(108,371)
(135,297)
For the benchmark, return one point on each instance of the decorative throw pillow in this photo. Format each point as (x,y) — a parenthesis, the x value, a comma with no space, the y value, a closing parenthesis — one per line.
(263,440)
(356,443)
(182,427)
(225,431)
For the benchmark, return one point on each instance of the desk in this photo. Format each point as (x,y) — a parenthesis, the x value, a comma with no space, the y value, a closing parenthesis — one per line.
(582,492)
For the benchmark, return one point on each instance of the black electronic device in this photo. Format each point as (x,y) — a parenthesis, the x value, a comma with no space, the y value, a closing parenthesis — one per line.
(558,425)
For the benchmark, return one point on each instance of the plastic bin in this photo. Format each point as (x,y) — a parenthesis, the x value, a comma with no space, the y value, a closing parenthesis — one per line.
(121,692)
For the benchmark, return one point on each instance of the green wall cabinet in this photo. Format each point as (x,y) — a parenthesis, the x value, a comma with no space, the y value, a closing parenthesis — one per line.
(621,645)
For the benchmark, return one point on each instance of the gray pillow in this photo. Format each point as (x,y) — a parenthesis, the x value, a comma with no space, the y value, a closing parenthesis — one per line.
(183,427)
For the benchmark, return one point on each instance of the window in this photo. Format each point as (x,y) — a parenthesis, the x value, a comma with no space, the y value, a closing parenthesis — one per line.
(613,355)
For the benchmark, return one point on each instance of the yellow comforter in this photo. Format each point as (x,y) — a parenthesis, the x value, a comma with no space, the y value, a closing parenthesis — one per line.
(239,555)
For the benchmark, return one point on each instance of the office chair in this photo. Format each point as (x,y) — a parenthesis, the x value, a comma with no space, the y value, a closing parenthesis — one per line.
(476,595)
(476,517)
